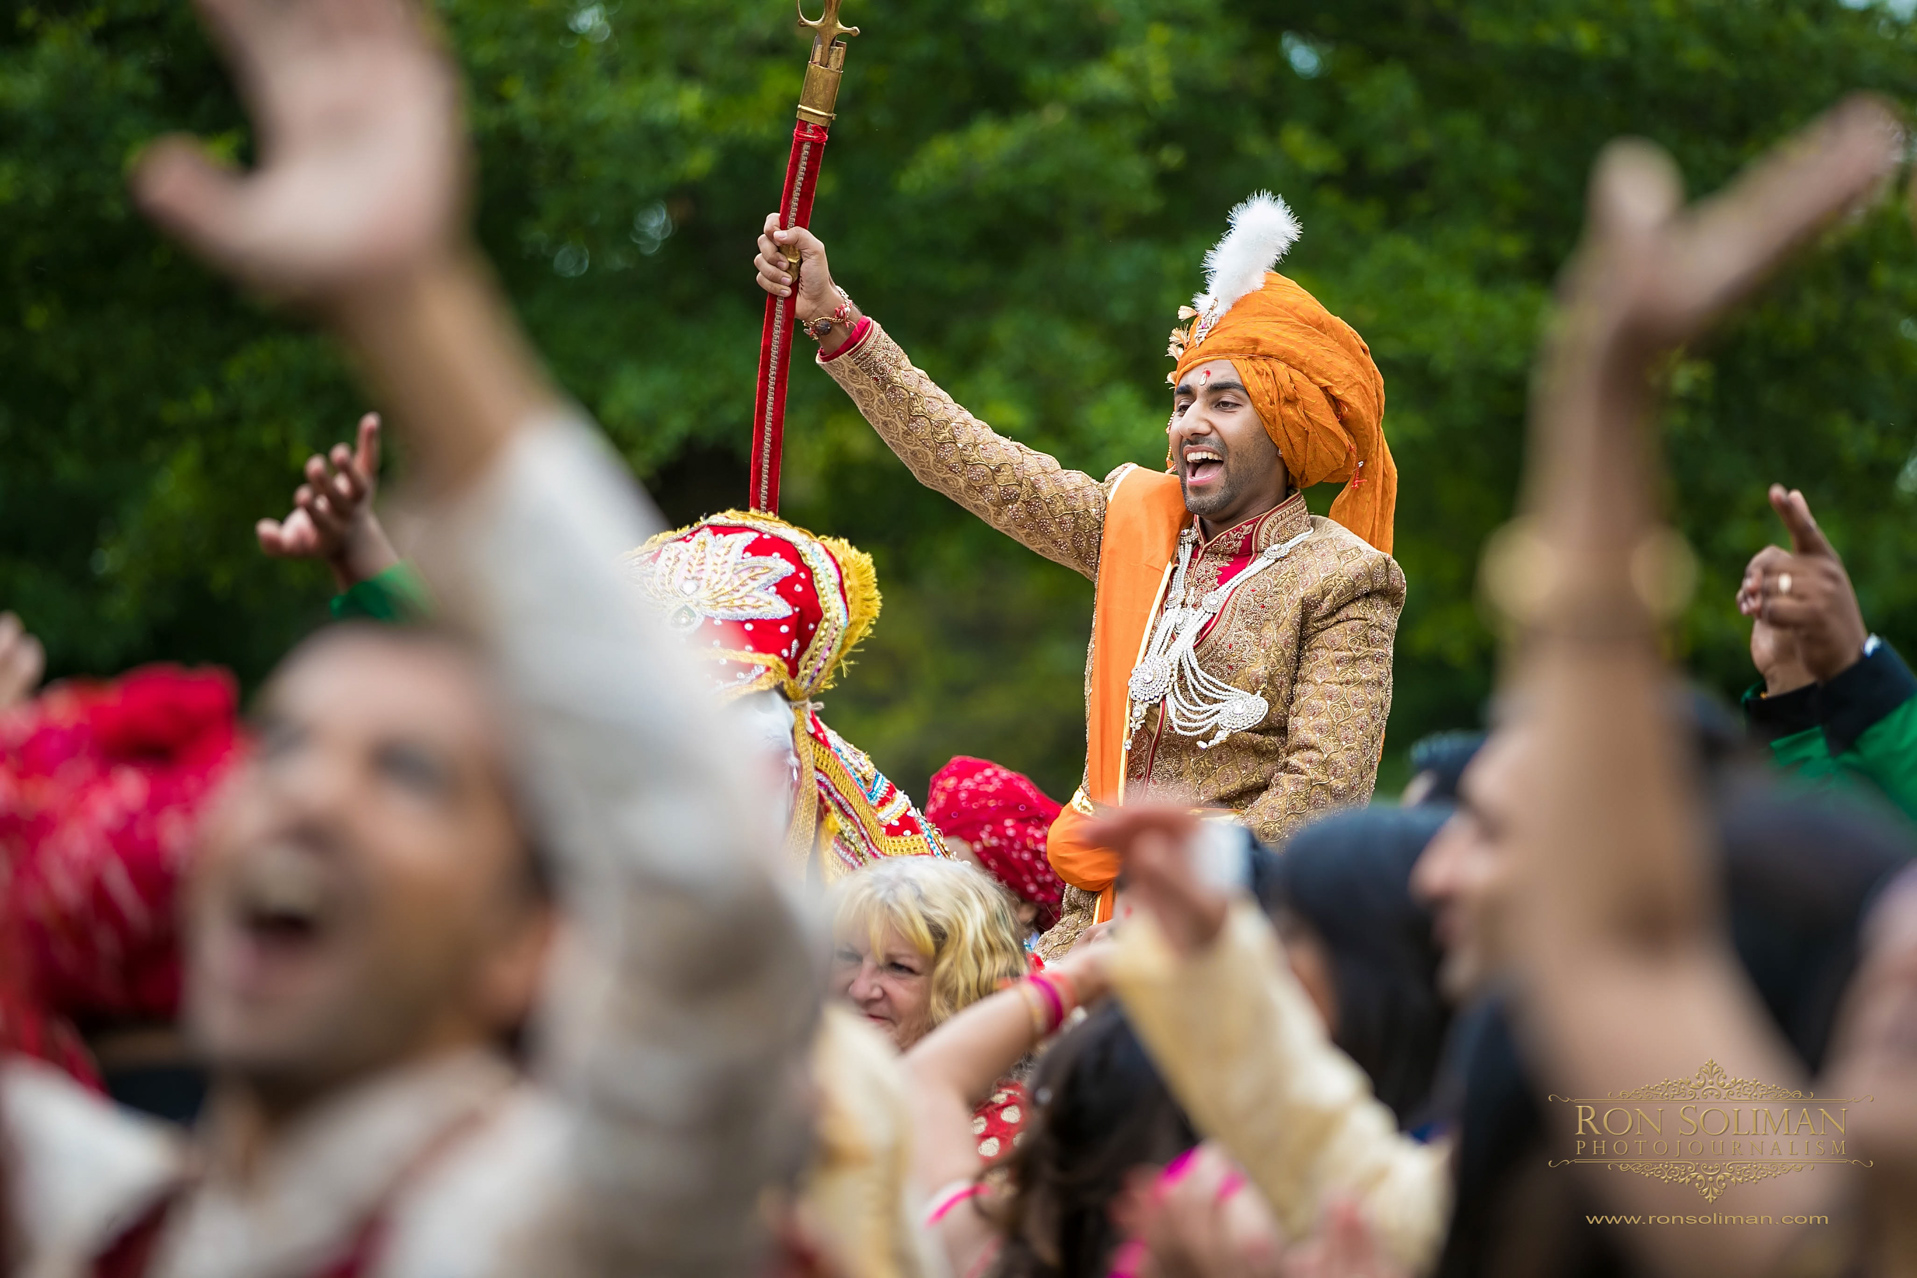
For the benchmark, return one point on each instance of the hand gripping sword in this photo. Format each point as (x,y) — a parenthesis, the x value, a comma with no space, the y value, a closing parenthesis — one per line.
(816,100)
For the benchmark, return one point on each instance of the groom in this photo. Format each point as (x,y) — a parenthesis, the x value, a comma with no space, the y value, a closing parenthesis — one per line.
(1241,646)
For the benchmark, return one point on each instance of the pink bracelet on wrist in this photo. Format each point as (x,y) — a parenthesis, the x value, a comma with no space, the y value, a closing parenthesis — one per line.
(1056,995)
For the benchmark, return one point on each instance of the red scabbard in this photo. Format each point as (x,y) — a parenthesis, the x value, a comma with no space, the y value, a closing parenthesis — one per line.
(775,342)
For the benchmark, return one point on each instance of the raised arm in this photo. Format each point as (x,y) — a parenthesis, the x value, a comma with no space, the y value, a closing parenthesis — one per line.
(1023,493)
(1624,977)
(1242,1047)
(682,1039)
(954,1067)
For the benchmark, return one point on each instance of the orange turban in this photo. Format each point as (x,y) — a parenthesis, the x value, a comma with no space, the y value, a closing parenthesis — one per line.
(1311,378)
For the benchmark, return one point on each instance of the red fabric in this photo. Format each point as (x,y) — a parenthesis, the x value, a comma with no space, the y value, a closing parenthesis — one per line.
(1000,1121)
(852,340)
(873,818)
(101,788)
(1005,817)
(775,339)
(131,1254)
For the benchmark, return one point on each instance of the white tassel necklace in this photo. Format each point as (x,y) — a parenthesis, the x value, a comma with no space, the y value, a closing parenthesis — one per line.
(1196,703)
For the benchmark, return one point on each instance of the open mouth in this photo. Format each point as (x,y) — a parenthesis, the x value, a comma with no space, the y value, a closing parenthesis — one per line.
(1203,465)
(282,903)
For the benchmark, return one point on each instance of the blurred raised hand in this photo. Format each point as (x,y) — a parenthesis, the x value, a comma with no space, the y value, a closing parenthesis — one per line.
(1622,967)
(356,210)
(362,155)
(1806,624)
(1201,1218)
(22,661)
(332,519)
(1162,876)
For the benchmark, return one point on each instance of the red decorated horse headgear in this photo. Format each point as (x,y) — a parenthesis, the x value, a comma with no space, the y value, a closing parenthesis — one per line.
(774,605)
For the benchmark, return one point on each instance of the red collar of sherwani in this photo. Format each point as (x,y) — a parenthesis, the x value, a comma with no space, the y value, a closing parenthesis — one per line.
(1239,544)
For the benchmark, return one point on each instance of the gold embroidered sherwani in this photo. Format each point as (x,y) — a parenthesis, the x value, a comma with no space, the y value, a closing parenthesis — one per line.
(1312,633)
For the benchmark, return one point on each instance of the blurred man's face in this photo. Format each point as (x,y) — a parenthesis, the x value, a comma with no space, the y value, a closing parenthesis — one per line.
(363,895)
(1464,872)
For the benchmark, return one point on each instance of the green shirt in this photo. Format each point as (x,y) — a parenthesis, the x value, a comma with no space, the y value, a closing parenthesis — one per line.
(1860,728)
(397,595)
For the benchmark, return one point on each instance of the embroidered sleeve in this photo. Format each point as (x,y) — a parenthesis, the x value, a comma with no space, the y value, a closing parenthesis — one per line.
(1021,492)
(1339,702)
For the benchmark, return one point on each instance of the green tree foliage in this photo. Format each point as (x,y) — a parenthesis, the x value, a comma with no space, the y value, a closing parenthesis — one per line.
(1022,192)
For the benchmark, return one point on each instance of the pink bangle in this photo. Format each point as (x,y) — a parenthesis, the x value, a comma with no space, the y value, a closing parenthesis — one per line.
(859,330)
(1067,989)
(1175,1170)
(1052,1000)
(943,1209)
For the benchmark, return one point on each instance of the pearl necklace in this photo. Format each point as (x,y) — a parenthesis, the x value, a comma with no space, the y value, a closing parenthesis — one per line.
(1195,702)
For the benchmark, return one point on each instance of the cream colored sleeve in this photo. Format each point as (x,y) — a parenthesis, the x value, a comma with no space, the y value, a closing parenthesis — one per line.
(1244,1051)
(680,1027)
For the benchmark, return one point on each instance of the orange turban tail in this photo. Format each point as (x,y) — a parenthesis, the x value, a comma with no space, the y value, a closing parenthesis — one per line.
(1311,378)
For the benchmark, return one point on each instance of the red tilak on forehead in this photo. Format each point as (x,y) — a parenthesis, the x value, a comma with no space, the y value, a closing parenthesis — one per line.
(1205,375)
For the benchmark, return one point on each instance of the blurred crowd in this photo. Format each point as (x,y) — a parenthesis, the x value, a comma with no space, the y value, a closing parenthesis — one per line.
(532,920)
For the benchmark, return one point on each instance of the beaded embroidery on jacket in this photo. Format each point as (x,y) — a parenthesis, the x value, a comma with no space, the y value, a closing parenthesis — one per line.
(1196,703)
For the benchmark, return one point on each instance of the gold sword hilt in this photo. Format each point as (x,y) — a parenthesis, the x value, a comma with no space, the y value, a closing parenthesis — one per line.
(822,71)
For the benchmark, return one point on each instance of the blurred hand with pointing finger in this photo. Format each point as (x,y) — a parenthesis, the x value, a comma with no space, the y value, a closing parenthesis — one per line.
(1806,624)
(332,519)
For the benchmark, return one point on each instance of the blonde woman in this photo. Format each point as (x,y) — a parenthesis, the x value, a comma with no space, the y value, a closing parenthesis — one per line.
(918,939)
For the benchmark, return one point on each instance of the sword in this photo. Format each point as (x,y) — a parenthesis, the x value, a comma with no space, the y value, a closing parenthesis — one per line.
(816,101)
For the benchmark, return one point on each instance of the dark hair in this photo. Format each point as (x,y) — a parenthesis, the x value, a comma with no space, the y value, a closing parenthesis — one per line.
(1100,1110)
(1798,875)
(1347,880)
(1444,756)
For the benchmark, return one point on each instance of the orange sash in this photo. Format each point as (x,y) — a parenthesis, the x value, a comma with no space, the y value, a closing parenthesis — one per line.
(1142,521)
